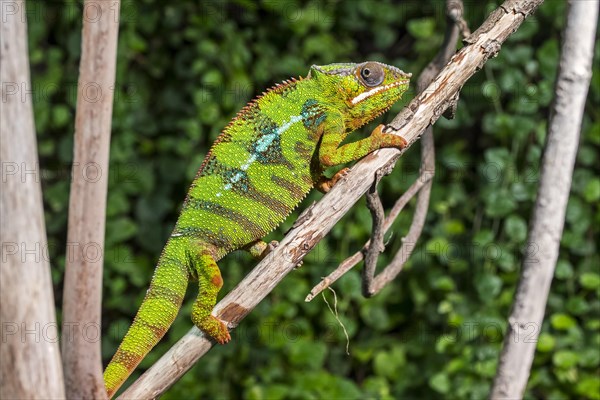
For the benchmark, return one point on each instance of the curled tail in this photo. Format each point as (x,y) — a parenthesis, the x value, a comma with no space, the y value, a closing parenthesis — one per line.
(156,314)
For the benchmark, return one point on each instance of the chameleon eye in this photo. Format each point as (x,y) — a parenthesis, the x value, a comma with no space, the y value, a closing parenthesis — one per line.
(372,74)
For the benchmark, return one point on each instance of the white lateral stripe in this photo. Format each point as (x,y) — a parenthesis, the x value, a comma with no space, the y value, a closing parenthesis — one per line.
(262,145)
(265,141)
(373,91)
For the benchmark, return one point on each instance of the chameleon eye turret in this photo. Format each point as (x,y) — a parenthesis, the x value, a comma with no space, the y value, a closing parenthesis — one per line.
(371,74)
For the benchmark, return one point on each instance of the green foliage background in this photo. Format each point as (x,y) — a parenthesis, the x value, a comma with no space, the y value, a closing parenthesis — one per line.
(185,68)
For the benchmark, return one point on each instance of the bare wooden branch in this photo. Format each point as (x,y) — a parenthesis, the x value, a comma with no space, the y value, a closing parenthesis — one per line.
(545,230)
(319,219)
(82,359)
(29,355)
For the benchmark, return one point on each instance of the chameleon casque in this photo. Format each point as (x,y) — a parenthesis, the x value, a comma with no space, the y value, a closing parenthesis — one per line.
(258,170)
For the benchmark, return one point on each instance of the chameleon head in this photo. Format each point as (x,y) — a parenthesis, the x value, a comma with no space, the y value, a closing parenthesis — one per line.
(366,90)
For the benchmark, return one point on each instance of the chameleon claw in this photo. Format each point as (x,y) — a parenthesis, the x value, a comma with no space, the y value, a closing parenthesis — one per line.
(215,329)
(224,336)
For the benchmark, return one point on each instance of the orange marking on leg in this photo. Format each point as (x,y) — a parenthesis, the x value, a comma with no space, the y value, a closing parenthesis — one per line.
(217,280)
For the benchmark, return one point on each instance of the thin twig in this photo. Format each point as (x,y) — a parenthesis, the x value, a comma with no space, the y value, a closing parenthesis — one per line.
(334,311)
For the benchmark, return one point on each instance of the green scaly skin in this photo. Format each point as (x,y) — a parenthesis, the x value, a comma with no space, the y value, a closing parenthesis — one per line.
(259,169)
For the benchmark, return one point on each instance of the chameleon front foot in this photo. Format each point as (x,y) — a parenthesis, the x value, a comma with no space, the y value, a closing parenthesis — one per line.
(388,139)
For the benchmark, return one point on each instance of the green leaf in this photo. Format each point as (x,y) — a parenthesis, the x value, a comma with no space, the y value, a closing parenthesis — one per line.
(546,342)
(562,322)
(61,116)
(440,383)
(577,305)
(119,230)
(438,246)
(591,192)
(516,228)
(590,280)
(454,227)
(375,316)
(307,354)
(488,286)
(564,270)
(421,28)
(389,364)
(499,203)
(589,387)
(444,283)
(565,359)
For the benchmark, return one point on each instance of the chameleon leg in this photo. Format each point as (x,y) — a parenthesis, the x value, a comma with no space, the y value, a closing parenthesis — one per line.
(209,283)
(259,248)
(331,153)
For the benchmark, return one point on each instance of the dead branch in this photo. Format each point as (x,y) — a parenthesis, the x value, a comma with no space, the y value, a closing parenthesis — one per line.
(318,220)
(547,221)
(29,355)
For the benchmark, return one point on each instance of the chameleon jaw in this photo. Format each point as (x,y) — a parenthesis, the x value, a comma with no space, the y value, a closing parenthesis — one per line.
(369,93)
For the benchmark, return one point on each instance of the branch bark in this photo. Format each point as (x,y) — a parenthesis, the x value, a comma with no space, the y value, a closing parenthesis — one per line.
(317,220)
(29,356)
(82,359)
(545,231)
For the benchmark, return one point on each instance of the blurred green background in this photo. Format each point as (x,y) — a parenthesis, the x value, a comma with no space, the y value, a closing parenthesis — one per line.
(183,71)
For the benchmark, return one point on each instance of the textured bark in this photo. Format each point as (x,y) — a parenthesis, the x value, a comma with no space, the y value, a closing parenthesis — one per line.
(318,220)
(82,360)
(545,230)
(30,365)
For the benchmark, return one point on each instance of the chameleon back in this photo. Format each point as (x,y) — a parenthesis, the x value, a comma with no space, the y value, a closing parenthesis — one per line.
(257,171)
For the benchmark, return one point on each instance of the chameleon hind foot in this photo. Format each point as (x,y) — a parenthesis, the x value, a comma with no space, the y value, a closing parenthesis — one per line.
(260,249)
(209,283)
(325,184)
(214,328)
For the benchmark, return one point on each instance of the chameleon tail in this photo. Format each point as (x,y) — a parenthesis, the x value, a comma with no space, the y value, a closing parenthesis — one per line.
(156,314)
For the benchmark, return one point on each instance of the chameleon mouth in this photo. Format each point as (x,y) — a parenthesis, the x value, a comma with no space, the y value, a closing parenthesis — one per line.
(378,89)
